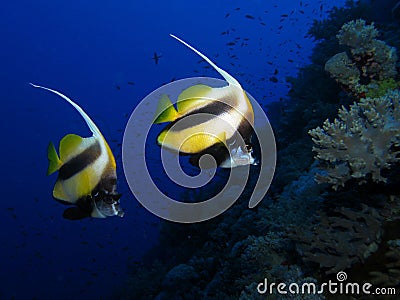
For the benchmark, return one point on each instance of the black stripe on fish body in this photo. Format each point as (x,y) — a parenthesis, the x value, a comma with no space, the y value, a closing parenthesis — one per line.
(83,209)
(204,114)
(108,184)
(246,131)
(80,162)
(216,107)
(242,138)
(86,204)
(219,152)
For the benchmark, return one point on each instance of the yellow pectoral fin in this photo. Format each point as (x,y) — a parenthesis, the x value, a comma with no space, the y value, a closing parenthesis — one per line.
(54,162)
(193,97)
(166,111)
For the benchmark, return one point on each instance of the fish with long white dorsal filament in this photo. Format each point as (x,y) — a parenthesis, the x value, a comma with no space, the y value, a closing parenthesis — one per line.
(87,175)
(220,121)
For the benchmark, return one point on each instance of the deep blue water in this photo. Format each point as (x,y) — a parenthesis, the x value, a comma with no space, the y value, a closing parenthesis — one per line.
(90,50)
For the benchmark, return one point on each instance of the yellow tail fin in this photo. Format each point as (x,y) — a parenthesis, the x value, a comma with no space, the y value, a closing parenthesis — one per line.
(54,162)
(166,111)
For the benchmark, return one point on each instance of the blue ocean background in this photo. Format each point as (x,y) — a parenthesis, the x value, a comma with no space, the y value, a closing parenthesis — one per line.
(93,52)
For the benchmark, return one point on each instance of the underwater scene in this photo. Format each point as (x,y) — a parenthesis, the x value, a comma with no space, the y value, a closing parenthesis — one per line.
(200,150)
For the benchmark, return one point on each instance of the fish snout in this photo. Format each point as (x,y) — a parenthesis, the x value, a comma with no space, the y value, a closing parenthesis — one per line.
(108,204)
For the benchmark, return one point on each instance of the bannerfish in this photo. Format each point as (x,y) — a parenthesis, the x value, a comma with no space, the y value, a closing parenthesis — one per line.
(87,175)
(207,120)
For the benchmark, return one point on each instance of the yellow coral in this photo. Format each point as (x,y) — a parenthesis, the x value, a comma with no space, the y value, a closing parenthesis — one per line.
(362,141)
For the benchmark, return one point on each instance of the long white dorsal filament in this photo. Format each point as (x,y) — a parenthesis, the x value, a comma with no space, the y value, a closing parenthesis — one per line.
(89,122)
(223,73)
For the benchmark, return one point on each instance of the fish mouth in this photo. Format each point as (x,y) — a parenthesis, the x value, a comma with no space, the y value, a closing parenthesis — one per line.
(237,157)
(243,160)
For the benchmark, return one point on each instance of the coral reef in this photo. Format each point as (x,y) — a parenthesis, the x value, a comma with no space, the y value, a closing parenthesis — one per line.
(363,141)
(343,69)
(370,60)
(380,88)
(313,97)
(359,238)
(359,36)
(180,278)
(292,274)
(355,227)
(337,242)
(239,251)
(390,275)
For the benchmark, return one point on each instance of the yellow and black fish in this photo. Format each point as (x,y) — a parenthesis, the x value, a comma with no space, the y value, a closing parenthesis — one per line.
(87,174)
(216,121)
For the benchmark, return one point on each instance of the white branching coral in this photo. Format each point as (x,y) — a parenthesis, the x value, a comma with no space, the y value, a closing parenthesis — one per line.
(361,142)
(358,35)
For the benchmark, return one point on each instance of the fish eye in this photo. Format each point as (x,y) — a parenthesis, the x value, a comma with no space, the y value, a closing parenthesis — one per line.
(116,197)
(249,148)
